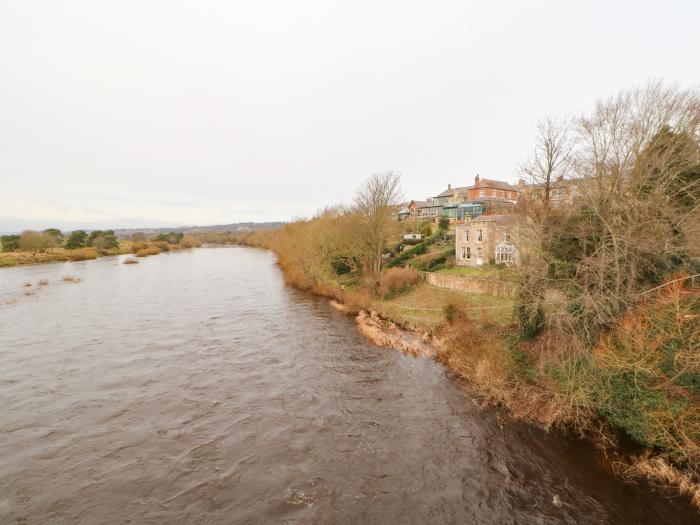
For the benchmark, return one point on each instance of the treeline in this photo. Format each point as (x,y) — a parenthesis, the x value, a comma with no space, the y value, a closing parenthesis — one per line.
(33,241)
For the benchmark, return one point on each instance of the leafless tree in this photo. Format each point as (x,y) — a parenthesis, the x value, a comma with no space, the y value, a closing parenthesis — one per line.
(375,205)
(550,159)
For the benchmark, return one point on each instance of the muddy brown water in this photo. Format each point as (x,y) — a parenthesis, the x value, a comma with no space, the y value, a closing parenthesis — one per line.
(196,387)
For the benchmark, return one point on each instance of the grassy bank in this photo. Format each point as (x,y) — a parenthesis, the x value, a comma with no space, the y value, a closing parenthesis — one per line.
(61,254)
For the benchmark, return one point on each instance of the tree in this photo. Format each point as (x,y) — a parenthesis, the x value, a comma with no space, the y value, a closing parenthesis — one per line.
(32,241)
(55,234)
(374,208)
(102,239)
(172,237)
(636,213)
(76,239)
(10,243)
(550,159)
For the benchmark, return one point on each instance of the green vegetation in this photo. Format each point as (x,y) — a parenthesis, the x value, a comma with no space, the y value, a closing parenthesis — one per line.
(10,243)
(102,240)
(418,249)
(49,246)
(77,239)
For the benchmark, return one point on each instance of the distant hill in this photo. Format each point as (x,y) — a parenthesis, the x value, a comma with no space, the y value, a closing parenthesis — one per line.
(226,228)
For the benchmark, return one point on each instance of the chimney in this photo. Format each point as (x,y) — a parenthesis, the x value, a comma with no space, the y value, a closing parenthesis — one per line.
(476,180)
(449,186)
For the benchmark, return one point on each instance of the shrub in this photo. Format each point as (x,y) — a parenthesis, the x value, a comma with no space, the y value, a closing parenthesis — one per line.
(172,237)
(397,280)
(163,246)
(145,252)
(190,241)
(450,311)
(10,243)
(82,254)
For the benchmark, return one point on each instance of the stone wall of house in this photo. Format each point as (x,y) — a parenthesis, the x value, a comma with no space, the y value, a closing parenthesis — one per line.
(466,283)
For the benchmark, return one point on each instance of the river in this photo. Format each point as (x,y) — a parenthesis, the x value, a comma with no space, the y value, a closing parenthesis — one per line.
(196,387)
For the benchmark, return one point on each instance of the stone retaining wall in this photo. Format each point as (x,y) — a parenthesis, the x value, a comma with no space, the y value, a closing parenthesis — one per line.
(466,283)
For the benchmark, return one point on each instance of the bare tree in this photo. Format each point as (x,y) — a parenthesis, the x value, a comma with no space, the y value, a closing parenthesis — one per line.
(550,159)
(374,205)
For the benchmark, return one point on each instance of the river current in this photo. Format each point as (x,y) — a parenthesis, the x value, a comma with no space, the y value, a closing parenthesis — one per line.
(196,387)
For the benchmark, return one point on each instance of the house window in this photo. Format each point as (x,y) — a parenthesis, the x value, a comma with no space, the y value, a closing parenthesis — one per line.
(479,236)
(482,192)
(505,253)
(469,252)
(464,252)
(500,193)
(466,235)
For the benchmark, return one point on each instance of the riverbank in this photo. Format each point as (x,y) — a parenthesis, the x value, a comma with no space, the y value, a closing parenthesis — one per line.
(537,381)
(54,255)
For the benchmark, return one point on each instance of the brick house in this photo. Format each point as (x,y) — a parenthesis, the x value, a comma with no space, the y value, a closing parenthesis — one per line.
(486,239)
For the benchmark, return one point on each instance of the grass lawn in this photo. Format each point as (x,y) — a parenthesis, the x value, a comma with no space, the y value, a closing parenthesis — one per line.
(422,307)
(490,270)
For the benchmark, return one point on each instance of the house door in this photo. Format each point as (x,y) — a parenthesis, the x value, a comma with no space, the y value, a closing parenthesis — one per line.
(479,256)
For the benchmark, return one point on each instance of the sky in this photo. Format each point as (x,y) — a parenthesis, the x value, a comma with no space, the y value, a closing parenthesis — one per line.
(165,113)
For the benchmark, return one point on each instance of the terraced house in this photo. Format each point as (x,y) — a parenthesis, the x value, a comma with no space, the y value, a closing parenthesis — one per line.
(487,239)
(485,196)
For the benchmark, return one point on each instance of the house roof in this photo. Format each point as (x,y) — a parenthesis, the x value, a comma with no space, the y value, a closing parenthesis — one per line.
(483,183)
(498,184)
(449,192)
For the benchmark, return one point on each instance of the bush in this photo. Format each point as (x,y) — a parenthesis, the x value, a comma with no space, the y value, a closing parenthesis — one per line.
(82,254)
(530,319)
(163,246)
(398,280)
(172,237)
(10,243)
(190,241)
(145,252)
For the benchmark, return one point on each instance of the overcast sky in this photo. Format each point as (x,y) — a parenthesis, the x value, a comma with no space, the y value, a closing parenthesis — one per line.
(153,113)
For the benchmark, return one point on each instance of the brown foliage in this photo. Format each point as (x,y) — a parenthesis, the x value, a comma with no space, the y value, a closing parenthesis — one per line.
(397,280)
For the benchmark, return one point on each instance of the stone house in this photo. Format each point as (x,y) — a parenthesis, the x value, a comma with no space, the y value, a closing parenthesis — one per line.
(486,239)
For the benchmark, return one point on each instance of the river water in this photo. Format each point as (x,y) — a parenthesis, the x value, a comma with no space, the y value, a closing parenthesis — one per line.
(196,387)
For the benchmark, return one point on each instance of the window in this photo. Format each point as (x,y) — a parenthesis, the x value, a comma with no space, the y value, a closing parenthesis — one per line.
(500,193)
(506,237)
(466,235)
(464,252)
(469,252)
(479,236)
(505,253)
(482,192)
